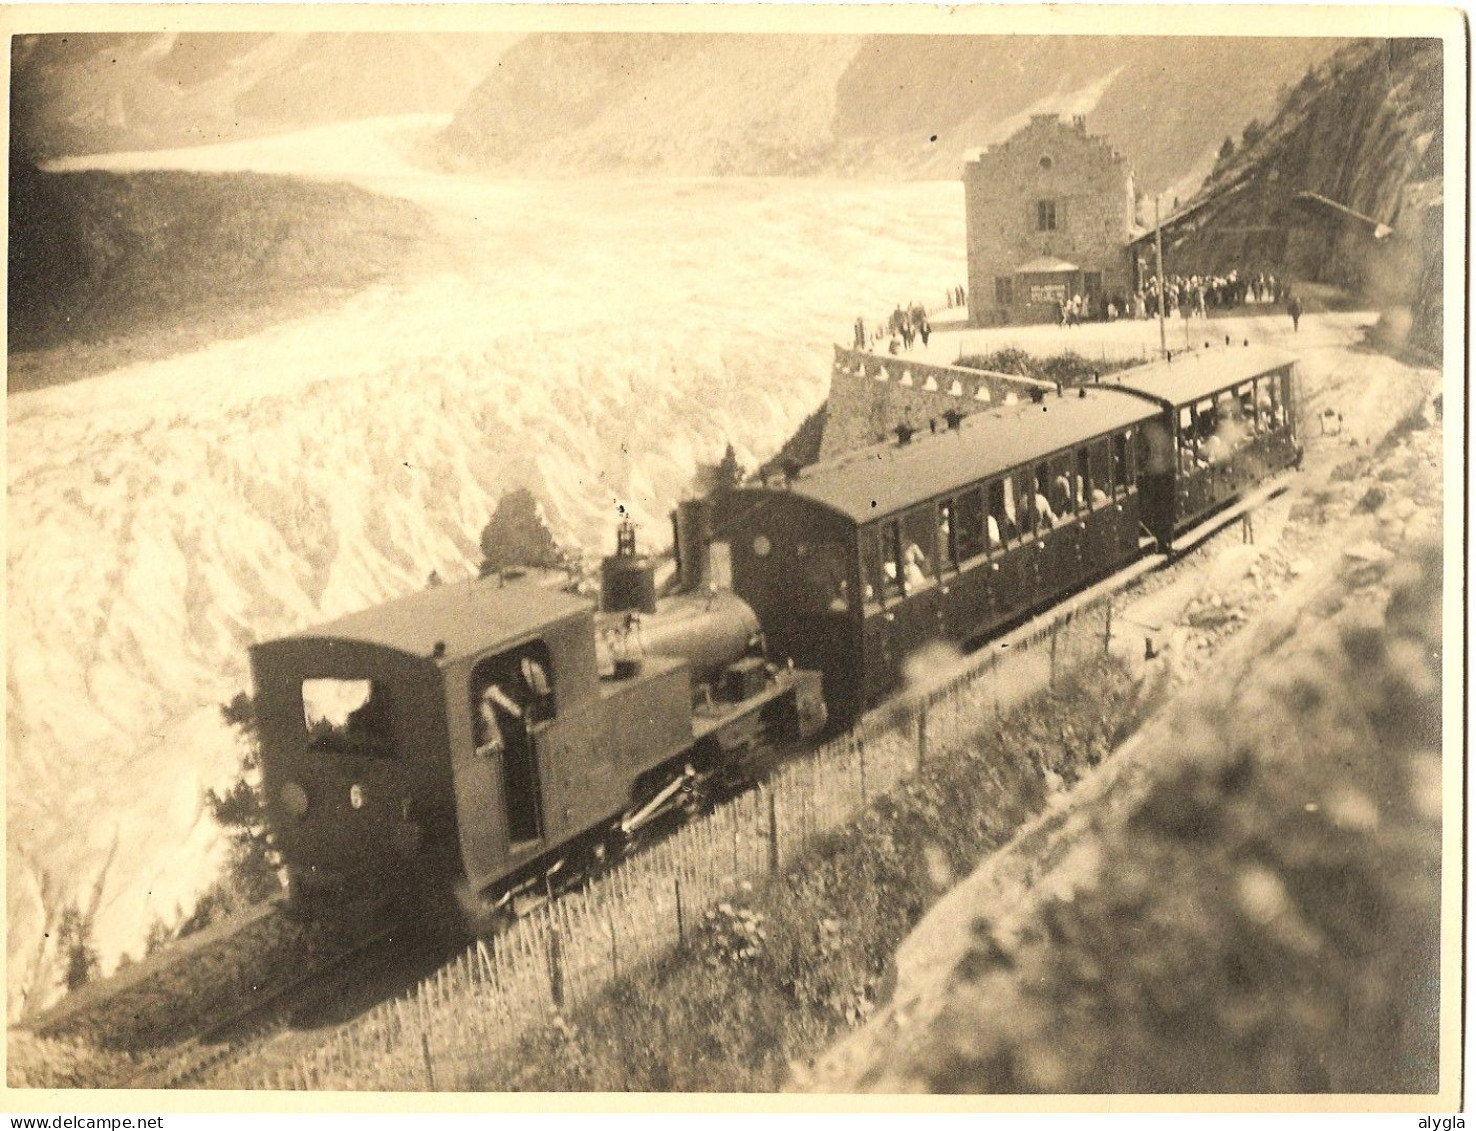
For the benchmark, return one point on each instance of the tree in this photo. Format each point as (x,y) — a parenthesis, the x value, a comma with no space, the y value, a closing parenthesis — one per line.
(251,865)
(1254,132)
(74,943)
(516,535)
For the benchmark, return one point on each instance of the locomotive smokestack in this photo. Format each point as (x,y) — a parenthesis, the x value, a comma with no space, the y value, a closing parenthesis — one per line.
(627,579)
(693,522)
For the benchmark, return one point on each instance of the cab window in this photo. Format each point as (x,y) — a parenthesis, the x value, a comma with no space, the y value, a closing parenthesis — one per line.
(511,692)
(348,716)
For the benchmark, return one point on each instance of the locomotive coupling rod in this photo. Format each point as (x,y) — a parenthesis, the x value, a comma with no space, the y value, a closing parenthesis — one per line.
(629,824)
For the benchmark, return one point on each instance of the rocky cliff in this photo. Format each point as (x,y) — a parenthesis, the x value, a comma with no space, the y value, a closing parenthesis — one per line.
(1363,131)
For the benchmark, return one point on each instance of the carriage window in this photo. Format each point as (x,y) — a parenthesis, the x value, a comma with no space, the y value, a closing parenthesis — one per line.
(970,524)
(1025,502)
(1119,463)
(947,534)
(1278,417)
(1043,508)
(1001,526)
(824,571)
(891,557)
(1099,482)
(1245,396)
(1083,483)
(919,552)
(1063,488)
(1206,419)
(348,716)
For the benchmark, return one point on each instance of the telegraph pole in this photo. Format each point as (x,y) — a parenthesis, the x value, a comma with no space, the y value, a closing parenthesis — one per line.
(1162,294)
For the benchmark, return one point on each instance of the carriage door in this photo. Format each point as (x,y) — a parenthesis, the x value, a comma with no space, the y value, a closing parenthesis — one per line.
(512,701)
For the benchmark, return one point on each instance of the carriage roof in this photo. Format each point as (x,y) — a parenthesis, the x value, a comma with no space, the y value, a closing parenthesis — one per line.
(1191,376)
(883,479)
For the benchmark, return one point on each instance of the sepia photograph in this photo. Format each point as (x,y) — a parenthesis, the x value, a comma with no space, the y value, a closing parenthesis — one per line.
(791,553)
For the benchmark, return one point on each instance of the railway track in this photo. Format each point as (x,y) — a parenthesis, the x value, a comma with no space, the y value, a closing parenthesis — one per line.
(389,958)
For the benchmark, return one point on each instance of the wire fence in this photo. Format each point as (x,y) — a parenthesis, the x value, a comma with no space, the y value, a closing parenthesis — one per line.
(441,1036)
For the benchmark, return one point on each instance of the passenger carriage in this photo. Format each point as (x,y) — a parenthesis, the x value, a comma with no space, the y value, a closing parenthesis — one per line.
(855,564)
(1227,423)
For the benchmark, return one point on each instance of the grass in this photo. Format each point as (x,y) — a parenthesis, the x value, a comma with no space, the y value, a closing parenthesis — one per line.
(770,978)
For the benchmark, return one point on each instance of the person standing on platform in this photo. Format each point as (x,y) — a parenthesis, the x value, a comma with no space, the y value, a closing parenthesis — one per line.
(1294,308)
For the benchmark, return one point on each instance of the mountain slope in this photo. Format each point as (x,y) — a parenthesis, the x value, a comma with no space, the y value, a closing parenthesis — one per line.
(856,105)
(95,93)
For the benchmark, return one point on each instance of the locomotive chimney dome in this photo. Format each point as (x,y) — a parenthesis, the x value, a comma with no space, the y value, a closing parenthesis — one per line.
(627,579)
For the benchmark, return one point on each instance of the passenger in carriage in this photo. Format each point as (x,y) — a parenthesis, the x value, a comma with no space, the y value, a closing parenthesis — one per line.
(1061,495)
(1045,518)
(916,563)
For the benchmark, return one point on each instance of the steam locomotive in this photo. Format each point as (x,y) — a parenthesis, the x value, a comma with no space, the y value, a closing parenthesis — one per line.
(469,739)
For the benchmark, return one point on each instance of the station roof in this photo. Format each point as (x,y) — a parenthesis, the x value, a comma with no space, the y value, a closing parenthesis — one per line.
(468,617)
(1202,372)
(881,480)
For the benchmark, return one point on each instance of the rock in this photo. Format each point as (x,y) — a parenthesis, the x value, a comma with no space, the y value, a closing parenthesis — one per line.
(1367,551)
(1372,499)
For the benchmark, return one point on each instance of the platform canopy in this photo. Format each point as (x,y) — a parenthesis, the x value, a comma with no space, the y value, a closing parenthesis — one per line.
(1046,265)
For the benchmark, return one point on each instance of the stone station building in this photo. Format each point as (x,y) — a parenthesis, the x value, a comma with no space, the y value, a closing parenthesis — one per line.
(1048,214)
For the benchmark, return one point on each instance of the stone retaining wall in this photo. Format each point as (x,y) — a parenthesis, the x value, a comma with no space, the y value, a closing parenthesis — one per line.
(871,394)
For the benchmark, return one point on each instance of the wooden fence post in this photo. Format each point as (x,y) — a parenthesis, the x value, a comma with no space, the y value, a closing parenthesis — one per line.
(1055,629)
(681,926)
(922,734)
(1107,632)
(614,947)
(425,1054)
(773,834)
(861,751)
(555,967)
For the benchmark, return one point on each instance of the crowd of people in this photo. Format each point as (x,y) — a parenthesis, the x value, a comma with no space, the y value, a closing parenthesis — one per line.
(1192,296)
(1197,295)
(900,330)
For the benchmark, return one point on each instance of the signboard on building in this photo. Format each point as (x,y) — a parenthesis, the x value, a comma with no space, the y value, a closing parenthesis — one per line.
(1048,292)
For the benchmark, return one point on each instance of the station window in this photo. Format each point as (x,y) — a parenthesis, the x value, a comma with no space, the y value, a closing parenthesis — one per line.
(1004,290)
(348,716)
(971,525)
(1045,215)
